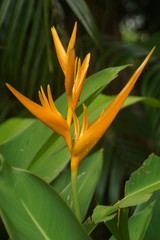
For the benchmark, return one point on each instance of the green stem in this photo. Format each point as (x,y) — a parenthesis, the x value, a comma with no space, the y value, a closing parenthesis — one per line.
(75,195)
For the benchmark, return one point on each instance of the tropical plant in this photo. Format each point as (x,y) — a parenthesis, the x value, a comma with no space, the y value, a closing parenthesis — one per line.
(34,162)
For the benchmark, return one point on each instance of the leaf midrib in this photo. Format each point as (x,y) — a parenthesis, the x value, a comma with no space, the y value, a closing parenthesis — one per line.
(36,222)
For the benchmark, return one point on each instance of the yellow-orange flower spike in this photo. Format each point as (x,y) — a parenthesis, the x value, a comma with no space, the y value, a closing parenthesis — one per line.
(90,137)
(74,82)
(62,55)
(80,76)
(74,73)
(47,113)
(69,79)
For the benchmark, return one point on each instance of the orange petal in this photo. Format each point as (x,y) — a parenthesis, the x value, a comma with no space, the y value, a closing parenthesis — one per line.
(85,120)
(43,99)
(61,53)
(80,78)
(54,121)
(73,38)
(51,103)
(69,79)
(83,71)
(76,126)
(95,131)
(75,68)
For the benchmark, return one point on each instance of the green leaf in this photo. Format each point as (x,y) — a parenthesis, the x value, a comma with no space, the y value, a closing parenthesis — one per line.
(123,224)
(51,159)
(21,148)
(139,222)
(146,100)
(90,168)
(153,229)
(43,152)
(13,127)
(138,189)
(89,226)
(31,209)
(100,216)
(145,180)
(32,43)
(119,225)
(84,14)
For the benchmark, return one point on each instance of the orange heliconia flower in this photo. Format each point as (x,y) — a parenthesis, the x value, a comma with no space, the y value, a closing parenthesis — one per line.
(75,74)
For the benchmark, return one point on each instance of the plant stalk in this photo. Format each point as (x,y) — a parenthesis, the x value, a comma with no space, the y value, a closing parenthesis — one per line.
(75,195)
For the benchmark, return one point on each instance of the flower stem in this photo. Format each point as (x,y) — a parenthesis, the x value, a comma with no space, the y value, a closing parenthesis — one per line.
(75,195)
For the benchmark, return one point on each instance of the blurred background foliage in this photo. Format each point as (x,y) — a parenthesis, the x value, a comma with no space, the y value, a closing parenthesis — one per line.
(115,32)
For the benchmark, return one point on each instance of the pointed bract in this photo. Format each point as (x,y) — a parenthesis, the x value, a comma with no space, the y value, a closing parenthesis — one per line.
(79,79)
(76,127)
(69,79)
(85,120)
(89,138)
(74,81)
(73,38)
(45,113)
(62,55)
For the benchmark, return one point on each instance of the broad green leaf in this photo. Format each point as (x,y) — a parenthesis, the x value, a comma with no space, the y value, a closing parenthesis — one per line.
(139,222)
(90,168)
(13,127)
(31,209)
(138,189)
(51,159)
(146,179)
(35,147)
(22,148)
